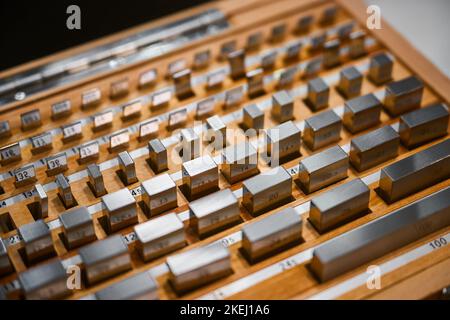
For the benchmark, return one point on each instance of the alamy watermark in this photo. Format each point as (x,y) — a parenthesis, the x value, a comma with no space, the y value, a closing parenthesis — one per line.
(74,279)
(374,17)
(373,281)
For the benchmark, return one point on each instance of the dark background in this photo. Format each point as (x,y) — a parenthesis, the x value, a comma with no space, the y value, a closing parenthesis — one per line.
(34,29)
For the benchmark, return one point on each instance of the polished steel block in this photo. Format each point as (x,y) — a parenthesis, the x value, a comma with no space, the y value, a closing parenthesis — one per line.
(199,266)
(137,287)
(323,169)
(44,282)
(105,258)
(159,236)
(239,162)
(266,190)
(269,235)
(78,228)
(381,236)
(423,125)
(214,212)
(159,194)
(339,205)
(415,172)
(403,95)
(120,209)
(374,148)
(322,129)
(362,113)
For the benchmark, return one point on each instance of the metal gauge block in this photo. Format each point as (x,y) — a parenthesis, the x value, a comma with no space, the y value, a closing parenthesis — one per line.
(127,171)
(96,182)
(271,234)
(371,241)
(331,53)
(255,83)
(283,142)
(254,41)
(176,66)
(147,78)
(161,99)
(202,59)
(190,143)
(45,281)
(24,176)
(361,113)
(198,266)
(5,129)
(39,208)
(148,129)
(293,51)
(131,110)
(269,59)
(322,129)
(65,191)
(200,176)
(205,108)
(105,258)
(56,164)
(119,88)
(236,59)
(328,16)
(37,239)
(88,152)
(357,46)
(137,287)
(287,77)
(159,194)
(233,97)
(278,33)
(157,156)
(403,95)
(350,82)
(339,205)
(10,153)
(304,24)
(415,172)
(119,140)
(214,212)
(226,48)
(239,162)
(380,69)
(71,132)
(41,143)
(253,117)
(5,263)
(91,98)
(423,125)
(215,79)
(266,190)
(102,121)
(78,228)
(216,132)
(183,86)
(31,119)
(282,106)
(120,209)
(318,94)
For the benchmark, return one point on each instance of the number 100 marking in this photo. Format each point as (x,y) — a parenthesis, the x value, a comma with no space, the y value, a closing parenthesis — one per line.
(438,243)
